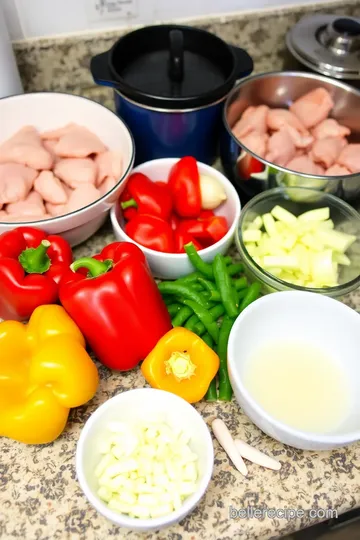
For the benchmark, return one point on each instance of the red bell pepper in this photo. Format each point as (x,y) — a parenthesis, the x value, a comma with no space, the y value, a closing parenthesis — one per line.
(195,227)
(174,221)
(216,227)
(182,237)
(31,266)
(128,213)
(248,165)
(147,197)
(151,232)
(184,182)
(118,308)
(205,214)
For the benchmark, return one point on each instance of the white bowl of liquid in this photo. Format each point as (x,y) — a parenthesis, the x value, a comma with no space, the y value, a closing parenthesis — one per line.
(294,365)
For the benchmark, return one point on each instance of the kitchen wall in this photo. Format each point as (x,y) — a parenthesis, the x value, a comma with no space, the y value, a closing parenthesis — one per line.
(35,18)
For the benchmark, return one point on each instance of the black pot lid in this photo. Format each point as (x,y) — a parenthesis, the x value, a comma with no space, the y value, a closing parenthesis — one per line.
(173,67)
(328,44)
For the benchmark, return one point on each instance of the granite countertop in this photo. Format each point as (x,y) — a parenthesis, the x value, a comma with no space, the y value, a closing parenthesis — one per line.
(40,498)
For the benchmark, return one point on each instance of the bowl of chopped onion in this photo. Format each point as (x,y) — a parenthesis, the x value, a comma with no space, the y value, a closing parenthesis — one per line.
(300,239)
(144,459)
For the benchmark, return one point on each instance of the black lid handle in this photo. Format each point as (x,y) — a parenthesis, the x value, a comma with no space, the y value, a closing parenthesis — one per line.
(244,63)
(100,70)
(176,62)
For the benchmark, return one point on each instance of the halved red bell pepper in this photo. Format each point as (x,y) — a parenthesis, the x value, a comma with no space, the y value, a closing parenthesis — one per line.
(147,197)
(151,232)
(216,227)
(118,306)
(184,182)
(31,266)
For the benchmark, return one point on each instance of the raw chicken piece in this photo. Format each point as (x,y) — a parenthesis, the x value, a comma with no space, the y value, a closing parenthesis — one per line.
(303,164)
(301,140)
(50,188)
(25,147)
(24,208)
(320,171)
(55,134)
(278,118)
(337,170)
(56,209)
(281,148)
(82,196)
(3,215)
(330,128)
(107,185)
(350,158)
(256,142)
(313,107)
(252,119)
(23,218)
(108,163)
(15,182)
(75,171)
(326,151)
(78,142)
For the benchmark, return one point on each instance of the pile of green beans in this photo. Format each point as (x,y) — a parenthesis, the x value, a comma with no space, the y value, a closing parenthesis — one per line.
(207,302)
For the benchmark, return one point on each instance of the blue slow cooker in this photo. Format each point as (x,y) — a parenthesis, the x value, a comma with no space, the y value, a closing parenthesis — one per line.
(170,83)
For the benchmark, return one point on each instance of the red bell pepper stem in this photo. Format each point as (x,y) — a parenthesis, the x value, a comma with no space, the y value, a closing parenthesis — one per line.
(96,268)
(36,260)
(131,203)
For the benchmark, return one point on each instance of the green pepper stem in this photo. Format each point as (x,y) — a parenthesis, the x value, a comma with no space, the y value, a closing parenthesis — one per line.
(131,203)
(96,268)
(36,260)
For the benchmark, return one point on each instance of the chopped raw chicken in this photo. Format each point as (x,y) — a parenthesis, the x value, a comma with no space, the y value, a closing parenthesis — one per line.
(252,119)
(108,163)
(330,128)
(281,148)
(303,164)
(326,151)
(278,118)
(56,209)
(320,171)
(78,142)
(24,208)
(82,196)
(337,170)
(300,140)
(107,185)
(50,188)
(74,171)
(256,142)
(313,107)
(15,182)
(25,147)
(3,215)
(350,158)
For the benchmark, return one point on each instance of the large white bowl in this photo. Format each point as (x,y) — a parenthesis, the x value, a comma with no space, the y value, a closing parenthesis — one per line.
(137,405)
(297,316)
(51,110)
(176,265)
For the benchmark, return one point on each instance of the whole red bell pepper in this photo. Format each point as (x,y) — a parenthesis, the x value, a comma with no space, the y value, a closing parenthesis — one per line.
(147,197)
(118,306)
(184,183)
(31,266)
(130,212)
(151,232)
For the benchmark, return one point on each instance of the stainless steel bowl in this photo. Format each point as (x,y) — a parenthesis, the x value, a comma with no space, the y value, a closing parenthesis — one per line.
(280,89)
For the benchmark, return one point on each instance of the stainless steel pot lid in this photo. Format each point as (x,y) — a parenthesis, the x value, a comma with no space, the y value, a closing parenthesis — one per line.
(328,44)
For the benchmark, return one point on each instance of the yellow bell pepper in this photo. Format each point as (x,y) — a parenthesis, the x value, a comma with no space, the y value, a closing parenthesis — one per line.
(181,363)
(44,372)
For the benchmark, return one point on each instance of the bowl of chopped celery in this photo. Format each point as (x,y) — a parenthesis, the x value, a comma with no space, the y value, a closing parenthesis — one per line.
(144,459)
(300,239)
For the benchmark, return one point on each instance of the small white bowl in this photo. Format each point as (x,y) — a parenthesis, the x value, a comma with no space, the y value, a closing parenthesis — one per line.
(299,316)
(176,265)
(52,110)
(137,405)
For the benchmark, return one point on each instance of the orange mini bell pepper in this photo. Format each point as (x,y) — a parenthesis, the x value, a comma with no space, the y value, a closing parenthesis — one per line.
(44,372)
(181,363)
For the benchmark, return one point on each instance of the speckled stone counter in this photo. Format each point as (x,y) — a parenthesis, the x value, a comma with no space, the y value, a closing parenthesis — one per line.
(40,498)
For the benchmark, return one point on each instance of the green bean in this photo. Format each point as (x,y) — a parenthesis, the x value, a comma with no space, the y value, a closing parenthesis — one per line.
(240,283)
(211,394)
(192,322)
(207,285)
(189,278)
(196,287)
(251,295)
(224,286)
(178,289)
(234,269)
(197,262)
(241,294)
(205,318)
(181,316)
(167,299)
(215,296)
(225,390)
(228,260)
(173,309)
(216,312)
(208,340)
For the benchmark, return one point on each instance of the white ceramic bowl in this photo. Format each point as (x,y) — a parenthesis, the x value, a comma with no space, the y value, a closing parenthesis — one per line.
(313,318)
(132,406)
(176,265)
(51,110)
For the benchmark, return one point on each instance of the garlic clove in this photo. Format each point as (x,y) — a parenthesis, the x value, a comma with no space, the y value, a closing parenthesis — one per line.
(212,192)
